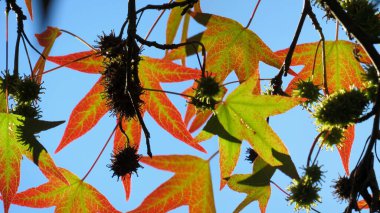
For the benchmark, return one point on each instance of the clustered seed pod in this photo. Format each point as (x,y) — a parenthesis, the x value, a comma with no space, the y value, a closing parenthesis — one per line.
(122,88)
(204,97)
(342,188)
(341,108)
(125,162)
(25,91)
(304,192)
(364,14)
(371,81)
(333,137)
(308,90)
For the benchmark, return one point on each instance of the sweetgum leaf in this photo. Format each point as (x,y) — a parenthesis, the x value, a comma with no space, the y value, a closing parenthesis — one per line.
(78,196)
(191,185)
(342,68)
(243,115)
(16,141)
(230,47)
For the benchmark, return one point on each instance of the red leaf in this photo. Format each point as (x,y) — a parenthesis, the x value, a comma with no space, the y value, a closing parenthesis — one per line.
(88,61)
(85,115)
(45,39)
(345,149)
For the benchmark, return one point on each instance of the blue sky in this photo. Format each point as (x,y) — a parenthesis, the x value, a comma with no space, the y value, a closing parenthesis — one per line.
(275,22)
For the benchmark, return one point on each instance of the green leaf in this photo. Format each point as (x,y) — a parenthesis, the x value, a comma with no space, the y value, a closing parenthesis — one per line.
(243,115)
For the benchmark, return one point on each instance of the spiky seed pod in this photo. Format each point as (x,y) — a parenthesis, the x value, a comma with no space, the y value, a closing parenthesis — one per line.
(111,46)
(125,161)
(251,155)
(342,188)
(313,174)
(371,81)
(307,89)
(341,108)
(123,102)
(9,82)
(28,90)
(27,110)
(364,14)
(204,97)
(303,194)
(333,137)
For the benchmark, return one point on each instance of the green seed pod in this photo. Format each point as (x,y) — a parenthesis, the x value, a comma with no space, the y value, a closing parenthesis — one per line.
(27,90)
(204,97)
(333,137)
(307,89)
(111,46)
(313,174)
(341,108)
(303,194)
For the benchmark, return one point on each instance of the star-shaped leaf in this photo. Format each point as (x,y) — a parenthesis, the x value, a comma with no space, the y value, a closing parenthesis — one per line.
(230,47)
(191,185)
(29,6)
(93,107)
(344,149)
(78,196)
(342,68)
(152,71)
(18,139)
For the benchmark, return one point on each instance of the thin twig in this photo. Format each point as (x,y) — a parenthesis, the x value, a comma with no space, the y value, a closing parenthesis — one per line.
(253,14)
(154,24)
(212,156)
(27,56)
(100,154)
(312,148)
(278,187)
(80,39)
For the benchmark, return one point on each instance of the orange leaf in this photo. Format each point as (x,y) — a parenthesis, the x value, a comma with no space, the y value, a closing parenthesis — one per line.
(88,61)
(29,6)
(76,197)
(191,185)
(85,115)
(230,47)
(45,39)
(152,72)
(345,148)
(342,68)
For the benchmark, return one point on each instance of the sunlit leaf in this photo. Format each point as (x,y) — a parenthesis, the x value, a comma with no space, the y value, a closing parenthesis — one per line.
(29,6)
(18,139)
(76,197)
(345,148)
(342,68)
(191,185)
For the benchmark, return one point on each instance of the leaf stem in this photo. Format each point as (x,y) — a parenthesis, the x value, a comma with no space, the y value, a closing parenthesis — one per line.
(337,31)
(100,153)
(278,187)
(212,156)
(253,14)
(79,38)
(169,92)
(312,148)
